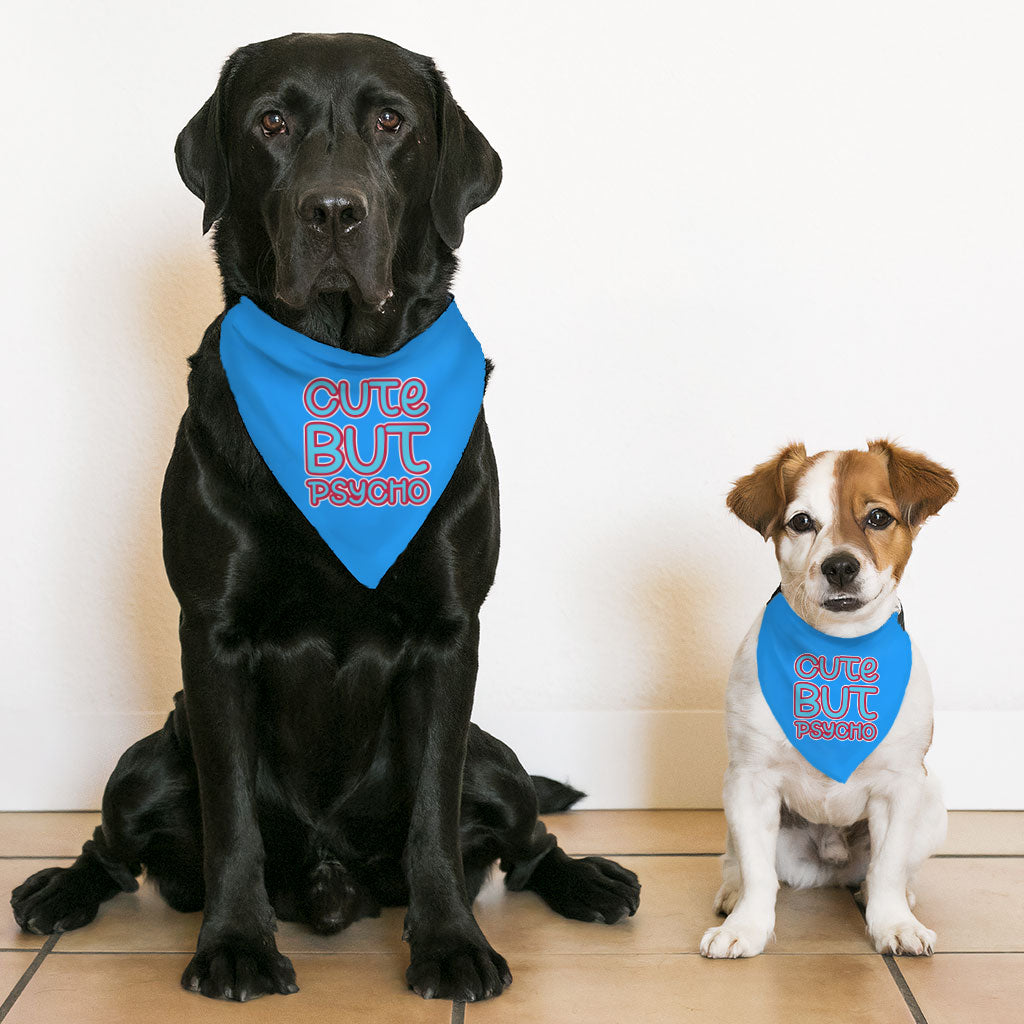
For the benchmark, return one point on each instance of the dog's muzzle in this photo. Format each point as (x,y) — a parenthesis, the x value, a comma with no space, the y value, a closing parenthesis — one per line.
(335,238)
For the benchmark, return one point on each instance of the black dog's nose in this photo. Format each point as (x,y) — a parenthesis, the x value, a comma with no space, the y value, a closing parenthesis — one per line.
(343,211)
(840,569)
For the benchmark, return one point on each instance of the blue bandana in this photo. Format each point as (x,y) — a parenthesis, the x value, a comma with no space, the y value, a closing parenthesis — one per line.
(363,445)
(834,697)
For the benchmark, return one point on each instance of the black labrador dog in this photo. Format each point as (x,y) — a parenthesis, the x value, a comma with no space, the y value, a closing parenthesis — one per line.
(320,761)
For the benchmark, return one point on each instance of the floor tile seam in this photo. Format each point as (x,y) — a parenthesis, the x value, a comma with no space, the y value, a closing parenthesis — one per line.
(904,989)
(37,856)
(909,999)
(22,983)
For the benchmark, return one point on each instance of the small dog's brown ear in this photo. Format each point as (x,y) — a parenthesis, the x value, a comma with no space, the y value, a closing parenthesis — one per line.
(921,487)
(759,498)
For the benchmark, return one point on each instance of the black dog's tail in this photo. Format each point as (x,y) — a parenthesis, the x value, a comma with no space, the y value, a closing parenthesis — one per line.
(554,796)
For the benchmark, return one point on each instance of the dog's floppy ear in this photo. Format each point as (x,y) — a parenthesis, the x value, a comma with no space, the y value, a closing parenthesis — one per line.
(759,498)
(200,152)
(921,487)
(468,169)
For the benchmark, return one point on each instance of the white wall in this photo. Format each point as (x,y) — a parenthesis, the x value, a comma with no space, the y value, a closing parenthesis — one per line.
(722,226)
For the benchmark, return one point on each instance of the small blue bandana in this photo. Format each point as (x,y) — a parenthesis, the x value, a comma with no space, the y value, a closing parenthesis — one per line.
(363,445)
(835,698)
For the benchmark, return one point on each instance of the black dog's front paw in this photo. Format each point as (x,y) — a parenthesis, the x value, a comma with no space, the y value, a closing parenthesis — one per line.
(55,900)
(463,968)
(239,969)
(587,888)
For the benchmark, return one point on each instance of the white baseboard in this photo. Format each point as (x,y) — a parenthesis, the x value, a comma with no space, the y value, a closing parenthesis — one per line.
(60,761)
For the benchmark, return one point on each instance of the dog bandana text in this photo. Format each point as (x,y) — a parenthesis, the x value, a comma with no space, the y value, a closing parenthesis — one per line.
(363,445)
(835,698)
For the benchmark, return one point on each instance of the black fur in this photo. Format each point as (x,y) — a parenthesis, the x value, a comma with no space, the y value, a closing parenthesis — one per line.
(320,761)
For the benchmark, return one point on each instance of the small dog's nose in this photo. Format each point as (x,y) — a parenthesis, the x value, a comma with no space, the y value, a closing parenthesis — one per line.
(343,210)
(840,569)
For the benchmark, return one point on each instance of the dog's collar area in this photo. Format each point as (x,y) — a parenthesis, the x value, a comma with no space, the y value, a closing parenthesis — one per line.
(363,445)
(900,618)
(248,316)
(835,698)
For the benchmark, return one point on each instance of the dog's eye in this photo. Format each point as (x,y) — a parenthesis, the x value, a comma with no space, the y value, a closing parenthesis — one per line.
(801,523)
(879,519)
(389,121)
(273,123)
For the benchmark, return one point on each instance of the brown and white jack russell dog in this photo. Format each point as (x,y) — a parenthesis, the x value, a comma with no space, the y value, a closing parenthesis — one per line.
(842,523)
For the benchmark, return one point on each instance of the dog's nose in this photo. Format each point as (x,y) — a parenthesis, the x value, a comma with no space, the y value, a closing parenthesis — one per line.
(840,569)
(341,210)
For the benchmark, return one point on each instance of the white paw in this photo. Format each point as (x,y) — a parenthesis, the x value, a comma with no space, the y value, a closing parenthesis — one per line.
(731,940)
(726,899)
(905,938)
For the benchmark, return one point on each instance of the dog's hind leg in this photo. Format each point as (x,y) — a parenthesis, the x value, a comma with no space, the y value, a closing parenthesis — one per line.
(499,821)
(146,820)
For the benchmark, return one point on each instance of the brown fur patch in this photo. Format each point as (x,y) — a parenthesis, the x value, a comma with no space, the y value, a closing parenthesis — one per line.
(921,487)
(862,484)
(760,498)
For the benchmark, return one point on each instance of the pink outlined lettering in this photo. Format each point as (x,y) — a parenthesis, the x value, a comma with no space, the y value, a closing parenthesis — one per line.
(801,669)
(418,491)
(805,700)
(377,491)
(383,386)
(324,448)
(380,451)
(344,393)
(823,668)
(825,699)
(862,693)
(405,433)
(309,397)
(412,397)
(318,490)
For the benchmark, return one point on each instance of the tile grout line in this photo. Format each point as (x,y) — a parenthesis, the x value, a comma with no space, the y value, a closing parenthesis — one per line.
(23,981)
(909,999)
(901,984)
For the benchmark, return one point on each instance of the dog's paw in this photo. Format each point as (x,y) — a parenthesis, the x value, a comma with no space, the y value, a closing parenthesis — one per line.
(590,889)
(732,940)
(586,888)
(239,969)
(54,900)
(465,969)
(904,938)
(726,899)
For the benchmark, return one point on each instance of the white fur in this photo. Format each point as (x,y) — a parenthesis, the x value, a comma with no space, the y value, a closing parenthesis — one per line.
(891,789)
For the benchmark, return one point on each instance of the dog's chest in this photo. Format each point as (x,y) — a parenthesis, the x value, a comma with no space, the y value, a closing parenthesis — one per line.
(757,742)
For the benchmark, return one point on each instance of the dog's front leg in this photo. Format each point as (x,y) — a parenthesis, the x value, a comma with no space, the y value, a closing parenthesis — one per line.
(752,812)
(892,820)
(236,957)
(450,958)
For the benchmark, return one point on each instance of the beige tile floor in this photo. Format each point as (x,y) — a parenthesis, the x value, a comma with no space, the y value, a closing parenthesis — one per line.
(821,969)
